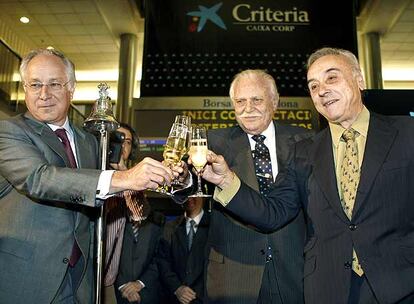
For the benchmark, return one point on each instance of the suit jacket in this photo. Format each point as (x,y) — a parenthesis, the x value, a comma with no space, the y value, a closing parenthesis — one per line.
(381,229)
(137,261)
(236,250)
(42,210)
(179,266)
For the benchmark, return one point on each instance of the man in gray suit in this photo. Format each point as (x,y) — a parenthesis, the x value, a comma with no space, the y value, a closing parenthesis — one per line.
(244,265)
(48,183)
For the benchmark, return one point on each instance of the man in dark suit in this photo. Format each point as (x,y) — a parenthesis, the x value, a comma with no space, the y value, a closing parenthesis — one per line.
(245,265)
(357,192)
(181,254)
(138,272)
(47,181)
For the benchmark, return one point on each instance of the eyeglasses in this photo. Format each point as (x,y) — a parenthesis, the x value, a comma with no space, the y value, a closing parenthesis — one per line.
(36,87)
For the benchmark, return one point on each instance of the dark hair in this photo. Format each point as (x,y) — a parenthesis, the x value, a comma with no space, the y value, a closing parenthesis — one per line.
(135,141)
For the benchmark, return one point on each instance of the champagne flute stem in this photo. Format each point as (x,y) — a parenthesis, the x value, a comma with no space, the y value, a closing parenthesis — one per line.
(199,182)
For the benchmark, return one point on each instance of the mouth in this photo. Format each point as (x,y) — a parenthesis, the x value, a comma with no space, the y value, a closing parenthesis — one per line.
(330,102)
(46,106)
(250,117)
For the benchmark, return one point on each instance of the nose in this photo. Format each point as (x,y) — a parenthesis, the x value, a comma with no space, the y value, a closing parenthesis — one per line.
(323,90)
(249,106)
(44,92)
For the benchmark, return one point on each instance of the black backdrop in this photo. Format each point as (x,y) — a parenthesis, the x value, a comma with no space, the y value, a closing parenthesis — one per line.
(273,35)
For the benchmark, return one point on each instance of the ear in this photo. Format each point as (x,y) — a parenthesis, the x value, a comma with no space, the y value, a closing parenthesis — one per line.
(72,90)
(275,103)
(360,81)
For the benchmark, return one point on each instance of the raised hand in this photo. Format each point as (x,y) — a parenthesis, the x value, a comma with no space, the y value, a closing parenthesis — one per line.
(216,170)
(147,174)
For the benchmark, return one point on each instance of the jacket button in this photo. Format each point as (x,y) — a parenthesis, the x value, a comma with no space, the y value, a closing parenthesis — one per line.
(352,227)
(65,260)
(348,265)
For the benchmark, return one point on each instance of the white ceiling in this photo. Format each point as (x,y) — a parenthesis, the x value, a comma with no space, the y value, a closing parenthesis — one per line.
(88,31)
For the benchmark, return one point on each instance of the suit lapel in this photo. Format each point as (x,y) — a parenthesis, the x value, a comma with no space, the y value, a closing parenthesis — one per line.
(202,229)
(48,137)
(324,171)
(85,157)
(243,159)
(283,139)
(379,141)
(182,234)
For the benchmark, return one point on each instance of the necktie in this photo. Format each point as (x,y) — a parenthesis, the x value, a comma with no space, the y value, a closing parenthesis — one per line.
(262,164)
(349,180)
(191,234)
(61,133)
(135,229)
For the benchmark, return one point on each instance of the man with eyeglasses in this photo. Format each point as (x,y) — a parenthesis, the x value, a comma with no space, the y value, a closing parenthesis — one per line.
(49,184)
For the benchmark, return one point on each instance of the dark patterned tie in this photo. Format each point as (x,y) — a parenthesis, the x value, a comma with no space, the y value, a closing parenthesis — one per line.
(61,133)
(262,164)
(191,234)
(349,180)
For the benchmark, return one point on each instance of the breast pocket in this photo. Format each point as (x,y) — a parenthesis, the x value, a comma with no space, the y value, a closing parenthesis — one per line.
(16,248)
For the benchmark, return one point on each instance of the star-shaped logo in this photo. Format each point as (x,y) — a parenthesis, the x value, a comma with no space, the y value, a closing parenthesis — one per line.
(208,14)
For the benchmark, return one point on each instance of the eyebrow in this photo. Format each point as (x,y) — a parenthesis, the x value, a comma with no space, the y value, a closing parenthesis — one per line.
(327,71)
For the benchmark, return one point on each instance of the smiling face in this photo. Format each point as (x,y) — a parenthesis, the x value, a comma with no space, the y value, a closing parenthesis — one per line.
(253,104)
(335,88)
(48,105)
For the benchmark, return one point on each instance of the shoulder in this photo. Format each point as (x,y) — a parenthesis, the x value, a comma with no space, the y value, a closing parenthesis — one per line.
(294,133)
(223,132)
(289,129)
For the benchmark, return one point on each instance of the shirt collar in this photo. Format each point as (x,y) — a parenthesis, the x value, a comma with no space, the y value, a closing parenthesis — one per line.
(65,126)
(197,218)
(269,132)
(360,125)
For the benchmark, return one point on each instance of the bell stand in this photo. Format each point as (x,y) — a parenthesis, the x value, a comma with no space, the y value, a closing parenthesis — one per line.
(103,121)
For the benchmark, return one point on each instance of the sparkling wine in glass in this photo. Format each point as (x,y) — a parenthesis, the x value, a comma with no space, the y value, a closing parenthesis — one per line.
(176,147)
(198,153)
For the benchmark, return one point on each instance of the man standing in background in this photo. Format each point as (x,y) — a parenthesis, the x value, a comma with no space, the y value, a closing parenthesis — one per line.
(181,254)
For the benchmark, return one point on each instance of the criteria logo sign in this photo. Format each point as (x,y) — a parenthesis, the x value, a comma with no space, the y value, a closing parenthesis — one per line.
(204,14)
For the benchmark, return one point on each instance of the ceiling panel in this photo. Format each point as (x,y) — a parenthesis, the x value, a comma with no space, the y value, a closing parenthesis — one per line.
(88,31)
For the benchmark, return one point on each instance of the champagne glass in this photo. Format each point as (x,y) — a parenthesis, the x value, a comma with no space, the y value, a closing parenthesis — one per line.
(198,153)
(175,147)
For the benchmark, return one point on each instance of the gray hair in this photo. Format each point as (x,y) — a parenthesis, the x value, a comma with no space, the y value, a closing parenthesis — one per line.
(70,67)
(353,61)
(256,74)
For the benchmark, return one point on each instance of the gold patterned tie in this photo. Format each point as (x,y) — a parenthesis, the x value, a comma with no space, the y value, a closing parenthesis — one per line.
(349,180)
